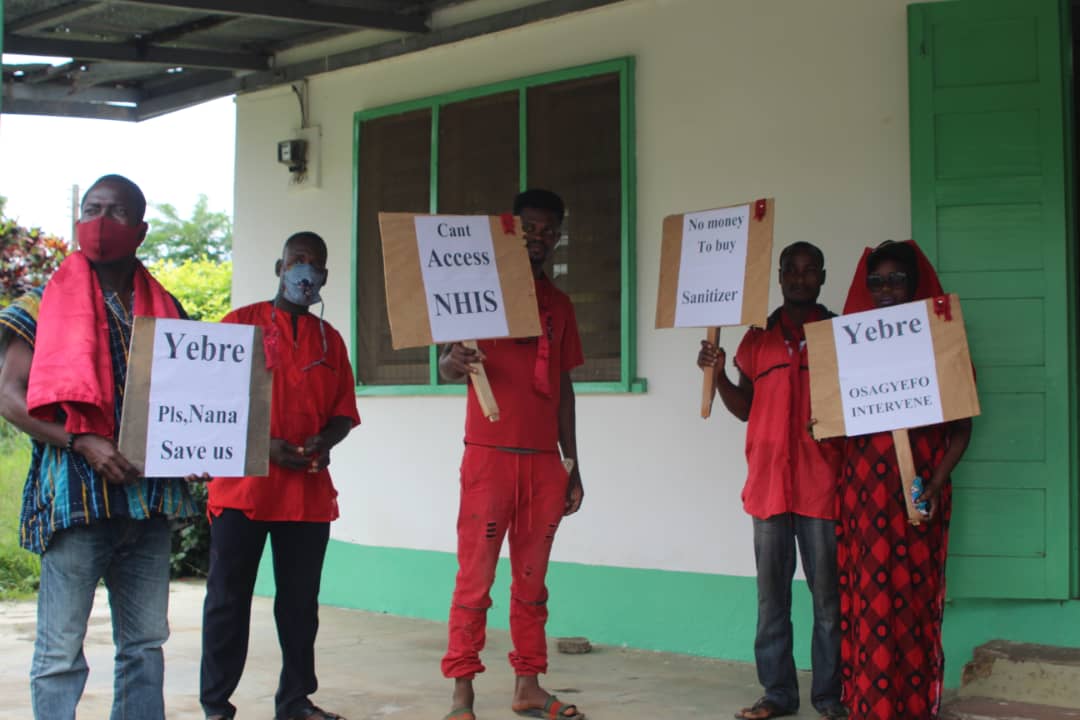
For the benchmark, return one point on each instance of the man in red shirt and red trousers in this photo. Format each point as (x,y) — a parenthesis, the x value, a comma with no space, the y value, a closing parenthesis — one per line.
(513,481)
(313,409)
(790,489)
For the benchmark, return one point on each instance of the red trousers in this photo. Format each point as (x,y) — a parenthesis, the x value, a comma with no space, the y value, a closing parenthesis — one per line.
(523,495)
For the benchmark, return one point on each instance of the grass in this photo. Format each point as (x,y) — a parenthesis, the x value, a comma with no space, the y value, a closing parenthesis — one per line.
(19,569)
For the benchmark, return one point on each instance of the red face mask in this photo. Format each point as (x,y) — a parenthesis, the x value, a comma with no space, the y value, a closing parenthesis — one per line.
(104,239)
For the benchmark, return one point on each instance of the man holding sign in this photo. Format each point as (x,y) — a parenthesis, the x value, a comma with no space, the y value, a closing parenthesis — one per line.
(313,409)
(893,572)
(512,479)
(86,511)
(790,490)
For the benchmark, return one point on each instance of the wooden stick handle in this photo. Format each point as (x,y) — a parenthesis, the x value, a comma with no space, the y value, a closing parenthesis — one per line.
(708,384)
(483,387)
(907,473)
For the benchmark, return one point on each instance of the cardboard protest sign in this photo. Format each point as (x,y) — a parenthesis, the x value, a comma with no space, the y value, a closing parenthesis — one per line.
(891,368)
(451,278)
(456,278)
(715,267)
(714,272)
(197,399)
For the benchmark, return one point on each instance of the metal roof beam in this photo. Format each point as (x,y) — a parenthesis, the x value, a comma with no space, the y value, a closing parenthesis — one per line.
(60,108)
(183,82)
(161,104)
(50,18)
(486,25)
(130,52)
(169,99)
(24,91)
(176,32)
(49,72)
(299,12)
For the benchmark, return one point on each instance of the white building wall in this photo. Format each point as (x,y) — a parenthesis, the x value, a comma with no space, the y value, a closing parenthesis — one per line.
(805,101)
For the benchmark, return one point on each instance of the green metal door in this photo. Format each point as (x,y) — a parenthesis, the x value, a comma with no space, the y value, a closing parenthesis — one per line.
(988,185)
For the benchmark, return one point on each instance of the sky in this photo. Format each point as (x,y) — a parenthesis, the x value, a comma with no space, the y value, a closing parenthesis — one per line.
(173,159)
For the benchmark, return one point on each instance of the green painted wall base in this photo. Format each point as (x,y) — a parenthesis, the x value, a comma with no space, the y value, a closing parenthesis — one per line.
(691,613)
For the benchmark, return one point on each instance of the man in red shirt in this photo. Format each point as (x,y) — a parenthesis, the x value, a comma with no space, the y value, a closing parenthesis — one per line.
(790,490)
(313,409)
(512,479)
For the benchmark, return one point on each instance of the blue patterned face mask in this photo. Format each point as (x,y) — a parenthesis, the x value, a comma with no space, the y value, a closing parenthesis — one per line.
(301,284)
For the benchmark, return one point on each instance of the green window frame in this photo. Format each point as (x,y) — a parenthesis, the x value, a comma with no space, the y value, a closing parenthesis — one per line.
(628,381)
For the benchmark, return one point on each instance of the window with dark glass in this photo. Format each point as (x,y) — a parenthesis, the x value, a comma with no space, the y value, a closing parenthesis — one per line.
(470,153)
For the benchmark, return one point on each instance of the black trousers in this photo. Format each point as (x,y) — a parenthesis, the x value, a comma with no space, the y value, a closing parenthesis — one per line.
(236,546)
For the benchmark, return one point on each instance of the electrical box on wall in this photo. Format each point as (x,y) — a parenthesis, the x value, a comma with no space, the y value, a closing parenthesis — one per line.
(308,140)
(294,154)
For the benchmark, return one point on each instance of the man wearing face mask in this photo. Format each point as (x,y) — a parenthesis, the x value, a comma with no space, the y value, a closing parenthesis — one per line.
(313,409)
(85,509)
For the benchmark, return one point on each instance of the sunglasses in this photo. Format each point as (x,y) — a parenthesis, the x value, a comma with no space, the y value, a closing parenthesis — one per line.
(894,281)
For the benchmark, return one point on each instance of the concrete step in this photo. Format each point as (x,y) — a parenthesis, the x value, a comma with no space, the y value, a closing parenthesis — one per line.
(1024,672)
(978,708)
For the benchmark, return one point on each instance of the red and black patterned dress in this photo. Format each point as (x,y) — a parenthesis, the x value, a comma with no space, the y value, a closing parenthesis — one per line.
(892,581)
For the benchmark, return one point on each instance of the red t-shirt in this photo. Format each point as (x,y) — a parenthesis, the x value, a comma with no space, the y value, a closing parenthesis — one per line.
(527,417)
(309,389)
(787,469)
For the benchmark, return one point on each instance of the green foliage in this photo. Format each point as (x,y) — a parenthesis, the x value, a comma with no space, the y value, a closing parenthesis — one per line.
(191,543)
(203,287)
(28,256)
(205,235)
(8,432)
(20,573)
(19,569)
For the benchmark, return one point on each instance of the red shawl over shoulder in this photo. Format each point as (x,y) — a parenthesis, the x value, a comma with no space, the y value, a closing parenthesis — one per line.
(72,367)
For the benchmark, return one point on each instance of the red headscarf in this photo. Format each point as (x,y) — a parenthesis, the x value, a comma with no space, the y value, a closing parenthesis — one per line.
(859,298)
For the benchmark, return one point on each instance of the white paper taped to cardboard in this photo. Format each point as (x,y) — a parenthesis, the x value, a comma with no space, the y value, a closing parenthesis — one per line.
(712,270)
(461,279)
(887,371)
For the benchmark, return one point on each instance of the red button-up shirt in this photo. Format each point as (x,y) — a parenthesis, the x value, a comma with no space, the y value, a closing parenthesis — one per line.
(310,388)
(788,471)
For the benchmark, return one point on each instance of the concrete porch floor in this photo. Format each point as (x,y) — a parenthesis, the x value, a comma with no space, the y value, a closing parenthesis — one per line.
(377,666)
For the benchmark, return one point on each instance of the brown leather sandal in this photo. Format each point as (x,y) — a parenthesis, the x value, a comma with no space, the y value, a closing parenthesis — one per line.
(553,709)
(763,709)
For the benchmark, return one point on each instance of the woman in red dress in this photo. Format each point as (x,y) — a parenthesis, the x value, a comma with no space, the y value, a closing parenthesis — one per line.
(892,573)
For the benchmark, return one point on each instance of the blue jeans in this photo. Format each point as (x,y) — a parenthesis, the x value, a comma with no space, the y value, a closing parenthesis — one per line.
(133,558)
(774,550)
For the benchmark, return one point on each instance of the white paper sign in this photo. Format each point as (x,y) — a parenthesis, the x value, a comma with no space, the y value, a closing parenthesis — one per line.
(713,267)
(888,375)
(461,280)
(199,398)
